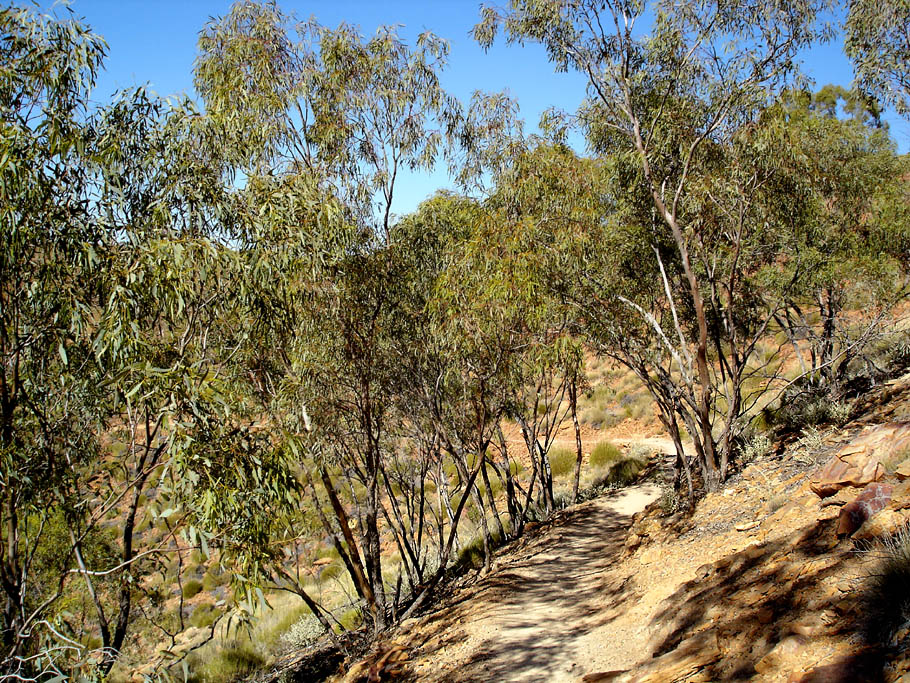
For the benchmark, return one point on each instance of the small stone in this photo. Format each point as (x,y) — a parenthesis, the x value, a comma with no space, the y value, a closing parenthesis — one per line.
(765,615)
(789,648)
(871,500)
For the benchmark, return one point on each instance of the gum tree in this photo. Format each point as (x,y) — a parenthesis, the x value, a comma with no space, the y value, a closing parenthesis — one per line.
(670,87)
(878,42)
(339,117)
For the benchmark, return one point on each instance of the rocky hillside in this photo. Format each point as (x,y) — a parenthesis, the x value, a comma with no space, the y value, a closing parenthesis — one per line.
(792,572)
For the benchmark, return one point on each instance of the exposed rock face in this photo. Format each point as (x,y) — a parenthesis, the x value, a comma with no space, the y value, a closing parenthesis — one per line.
(842,470)
(859,462)
(871,500)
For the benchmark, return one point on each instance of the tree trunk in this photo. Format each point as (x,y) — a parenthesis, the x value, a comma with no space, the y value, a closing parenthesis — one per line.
(573,404)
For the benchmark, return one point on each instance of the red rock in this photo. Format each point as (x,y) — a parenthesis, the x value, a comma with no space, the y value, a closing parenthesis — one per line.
(851,469)
(871,500)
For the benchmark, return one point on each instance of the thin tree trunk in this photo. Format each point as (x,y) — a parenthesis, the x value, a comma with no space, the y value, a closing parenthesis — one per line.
(573,405)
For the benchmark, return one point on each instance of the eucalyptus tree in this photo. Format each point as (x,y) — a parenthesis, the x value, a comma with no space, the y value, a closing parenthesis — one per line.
(667,100)
(167,336)
(108,218)
(878,42)
(50,268)
(336,117)
(460,372)
(853,253)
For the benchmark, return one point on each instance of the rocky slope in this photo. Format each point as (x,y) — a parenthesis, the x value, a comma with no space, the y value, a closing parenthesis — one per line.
(767,580)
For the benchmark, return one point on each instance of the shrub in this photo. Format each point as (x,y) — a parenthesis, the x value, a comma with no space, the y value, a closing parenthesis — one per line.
(810,406)
(885,599)
(191,588)
(471,554)
(328,551)
(625,471)
(641,452)
(236,659)
(604,454)
(330,571)
(562,461)
(213,578)
(757,447)
(303,632)
(350,620)
(600,418)
(562,499)
(204,615)
(669,500)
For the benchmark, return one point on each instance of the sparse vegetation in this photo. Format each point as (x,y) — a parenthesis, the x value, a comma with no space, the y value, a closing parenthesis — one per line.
(604,455)
(757,447)
(562,461)
(191,588)
(886,603)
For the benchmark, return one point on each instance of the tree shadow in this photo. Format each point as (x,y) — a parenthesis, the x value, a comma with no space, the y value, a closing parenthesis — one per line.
(541,602)
(748,602)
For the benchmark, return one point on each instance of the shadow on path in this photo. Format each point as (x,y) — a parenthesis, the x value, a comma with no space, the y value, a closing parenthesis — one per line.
(527,616)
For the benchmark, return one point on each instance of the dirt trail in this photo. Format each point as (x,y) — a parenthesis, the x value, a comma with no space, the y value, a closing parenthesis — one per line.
(542,615)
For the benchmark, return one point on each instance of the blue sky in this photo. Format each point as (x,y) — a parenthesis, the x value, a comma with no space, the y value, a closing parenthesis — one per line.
(154,42)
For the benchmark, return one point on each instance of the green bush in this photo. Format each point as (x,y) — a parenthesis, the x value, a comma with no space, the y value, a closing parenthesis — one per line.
(625,471)
(471,555)
(669,500)
(330,571)
(803,407)
(757,447)
(233,661)
(350,620)
(604,454)
(204,615)
(191,588)
(562,461)
(215,577)
(600,418)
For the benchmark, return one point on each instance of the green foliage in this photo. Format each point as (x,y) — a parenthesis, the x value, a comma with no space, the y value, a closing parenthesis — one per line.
(562,461)
(624,472)
(802,408)
(351,620)
(471,555)
(604,455)
(214,577)
(330,571)
(217,302)
(191,588)
(234,660)
(204,615)
(878,43)
(669,500)
(757,447)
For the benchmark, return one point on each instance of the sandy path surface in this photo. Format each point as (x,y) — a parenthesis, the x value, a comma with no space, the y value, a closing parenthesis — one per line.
(544,614)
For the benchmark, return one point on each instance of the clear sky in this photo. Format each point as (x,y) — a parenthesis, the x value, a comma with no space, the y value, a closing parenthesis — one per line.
(154,42)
